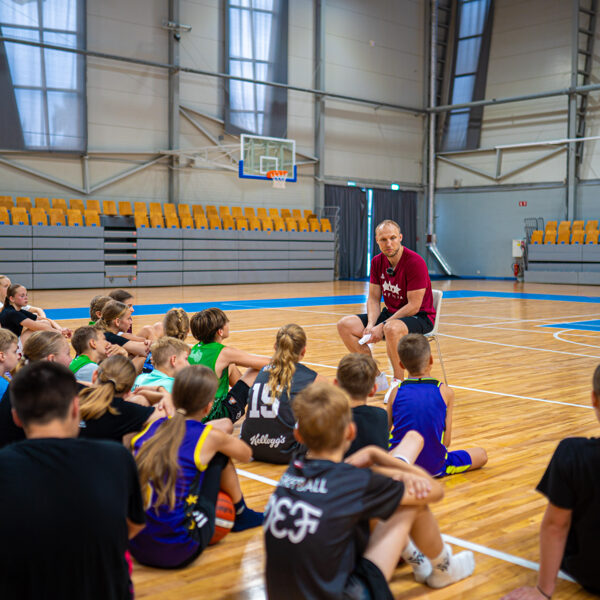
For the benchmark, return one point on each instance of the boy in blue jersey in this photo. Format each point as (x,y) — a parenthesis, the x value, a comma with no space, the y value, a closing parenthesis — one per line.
(421,416)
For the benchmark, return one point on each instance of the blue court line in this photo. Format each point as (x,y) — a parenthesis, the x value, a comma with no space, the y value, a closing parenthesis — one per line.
(579,325)
(191,307)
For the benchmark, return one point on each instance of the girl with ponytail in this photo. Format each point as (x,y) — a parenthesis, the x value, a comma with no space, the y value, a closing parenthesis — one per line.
(175,323)
(108,409)
(182,464)
(269,425)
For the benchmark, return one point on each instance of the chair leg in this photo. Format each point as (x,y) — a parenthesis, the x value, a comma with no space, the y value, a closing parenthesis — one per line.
(441,360)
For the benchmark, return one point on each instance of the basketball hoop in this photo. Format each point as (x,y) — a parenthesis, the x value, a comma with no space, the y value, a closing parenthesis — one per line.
(278,178)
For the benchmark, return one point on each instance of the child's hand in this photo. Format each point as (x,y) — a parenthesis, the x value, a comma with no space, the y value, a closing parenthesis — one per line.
(415,485)
(361,459)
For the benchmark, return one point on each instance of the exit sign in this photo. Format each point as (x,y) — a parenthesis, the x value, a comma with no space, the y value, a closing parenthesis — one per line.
(522,202)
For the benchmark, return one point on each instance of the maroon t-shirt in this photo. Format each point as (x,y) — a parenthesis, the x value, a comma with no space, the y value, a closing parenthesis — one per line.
(410,274)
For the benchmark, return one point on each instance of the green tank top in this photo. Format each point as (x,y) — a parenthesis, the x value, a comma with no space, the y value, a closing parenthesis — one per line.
(207,354)
(79,361)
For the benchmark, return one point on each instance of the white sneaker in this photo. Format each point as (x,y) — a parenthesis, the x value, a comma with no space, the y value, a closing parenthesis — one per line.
(391,393)
(381,382)
(452,568)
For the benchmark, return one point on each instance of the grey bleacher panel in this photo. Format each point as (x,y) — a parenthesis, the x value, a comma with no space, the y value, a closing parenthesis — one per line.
(205,244)
(209,255)
(16,267)
(263,244)
(275,276)
(211,234)
(159,279)
(587,278)
(590,253)
(158,233)
(47,281)
(151,255)
(576,263)
(264,254)
(25,279)
(309,254)
(551,252)
(551,276)
(20,231)
(257,265)
(122,269)
(555,266)
(159,244)
(209,277)
(158,265)
(50,254)
(65,243)
(310,275)
(68,267)
(15,242)
(118,256)
(311,264)
(210,265)
(15,254)
(63,231)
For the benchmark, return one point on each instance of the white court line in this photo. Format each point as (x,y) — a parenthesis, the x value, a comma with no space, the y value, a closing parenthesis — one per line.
(515,560)
(557,336)
(277,328)
(545,319)
(520,347)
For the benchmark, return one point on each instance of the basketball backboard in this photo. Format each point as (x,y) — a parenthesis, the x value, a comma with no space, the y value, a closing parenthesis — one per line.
(259,155)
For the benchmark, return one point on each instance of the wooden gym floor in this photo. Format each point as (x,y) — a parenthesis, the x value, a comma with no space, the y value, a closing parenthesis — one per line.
(520,388)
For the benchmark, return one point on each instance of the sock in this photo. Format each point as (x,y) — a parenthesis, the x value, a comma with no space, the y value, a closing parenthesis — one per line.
(418,561)
(245,518)
(448,569)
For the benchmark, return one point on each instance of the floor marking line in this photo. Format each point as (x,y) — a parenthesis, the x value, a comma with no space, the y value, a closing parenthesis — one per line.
(542,319)
(520,347)
(277,328)
(556,335)
(509,558)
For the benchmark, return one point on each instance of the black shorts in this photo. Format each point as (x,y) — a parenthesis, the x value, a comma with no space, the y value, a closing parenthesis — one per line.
(236,400)
(367,582)
(418,323)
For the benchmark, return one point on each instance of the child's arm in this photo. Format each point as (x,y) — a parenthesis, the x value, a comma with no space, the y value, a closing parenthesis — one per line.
(390,414)
(240,358)
(36,310)
(218,441)
(136,348)
(448,396)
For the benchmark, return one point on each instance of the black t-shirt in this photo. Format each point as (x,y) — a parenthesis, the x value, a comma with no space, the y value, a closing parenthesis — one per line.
(317,526)
(269,424)
(371,428)
(113,338)
(572,481)
(11,319)
(63,512)
(131,418)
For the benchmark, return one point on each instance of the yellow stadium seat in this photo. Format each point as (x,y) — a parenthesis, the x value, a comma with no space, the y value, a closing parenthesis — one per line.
(253,224)
(38,217)
(249,212)
(77,204)
(4,218)
(241,224)
(19,215)
(591,236)
(237,212)
(215,222)
(172,222)
(23,202)
(197,210)
(550,237)
(170,210)
(308,214)
(291,224)
(296,213)
(141,220)
(577,237)
(201,221)
(325,225)
(93,205)
(56,216)
(564,237)
(224,211)
(267,224)
(593,225)
(564,226)
(551,225)
(42,203)
(156,208)
(303,225)
(262,213)
(537,237)
(183,210)
(577,225)
(140,207)
(109,208)
(314,225)
(274,213)
(92,217)
(74,218)
(211,210)
(279,224)
(6,202)
(59,203)
(228,222)
(156,220)
(187,223)
(125,208)
(286,214)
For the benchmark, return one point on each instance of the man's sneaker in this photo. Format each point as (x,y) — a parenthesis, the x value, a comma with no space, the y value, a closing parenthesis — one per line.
(381,382)
(451,568)
(391,393)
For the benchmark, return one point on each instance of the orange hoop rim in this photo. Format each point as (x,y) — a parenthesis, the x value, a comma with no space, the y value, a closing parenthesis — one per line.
(277,174)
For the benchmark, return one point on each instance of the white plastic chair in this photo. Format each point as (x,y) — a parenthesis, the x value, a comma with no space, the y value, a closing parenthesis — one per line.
(433,334)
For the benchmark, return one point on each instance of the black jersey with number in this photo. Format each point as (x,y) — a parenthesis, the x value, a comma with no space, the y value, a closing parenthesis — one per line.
(269,424)
(317,526)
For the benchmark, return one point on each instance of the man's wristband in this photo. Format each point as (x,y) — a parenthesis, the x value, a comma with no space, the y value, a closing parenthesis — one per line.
(543,593)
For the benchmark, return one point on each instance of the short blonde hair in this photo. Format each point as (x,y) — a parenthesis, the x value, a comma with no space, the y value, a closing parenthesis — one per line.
(323,413)
(164,347)
(7,338)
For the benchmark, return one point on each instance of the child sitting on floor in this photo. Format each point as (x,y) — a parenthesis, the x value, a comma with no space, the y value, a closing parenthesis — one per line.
(182,464)
(91,348)
(421,415)
(169,356)
(175,323)
(9,357)
(317,537)
(356,375)
(97,303)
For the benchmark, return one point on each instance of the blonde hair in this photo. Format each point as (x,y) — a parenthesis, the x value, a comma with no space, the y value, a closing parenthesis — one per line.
(289,343)
(39,346)
(323,413)
(97,303)
(11,291)
(7,338)
(157,460)
(165,347)
(116,375)
(176,323)
(112,310)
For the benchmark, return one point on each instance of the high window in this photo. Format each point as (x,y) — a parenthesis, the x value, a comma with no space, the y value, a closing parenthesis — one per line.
(472,43)
(256,48)
(43,102)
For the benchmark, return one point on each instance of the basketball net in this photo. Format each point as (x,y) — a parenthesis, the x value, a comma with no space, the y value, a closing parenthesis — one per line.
(278,178)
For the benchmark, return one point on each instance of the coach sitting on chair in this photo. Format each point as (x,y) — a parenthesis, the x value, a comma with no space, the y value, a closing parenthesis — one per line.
(402,276)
